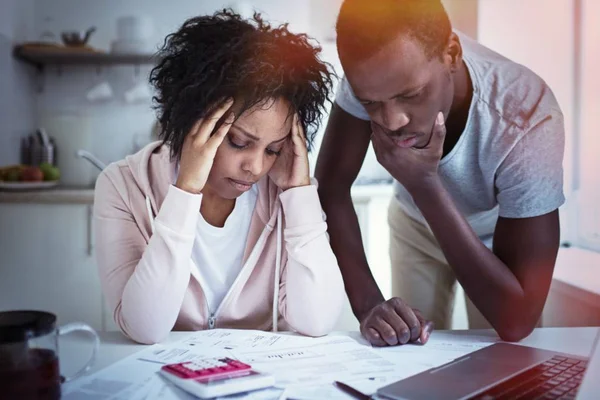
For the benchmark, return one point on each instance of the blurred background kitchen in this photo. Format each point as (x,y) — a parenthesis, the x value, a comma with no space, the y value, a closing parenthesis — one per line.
(74,97)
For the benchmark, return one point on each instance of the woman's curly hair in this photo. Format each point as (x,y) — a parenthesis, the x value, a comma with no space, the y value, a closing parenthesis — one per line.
(212,58)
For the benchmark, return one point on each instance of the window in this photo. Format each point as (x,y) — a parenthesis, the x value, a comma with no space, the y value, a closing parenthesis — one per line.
(587,144)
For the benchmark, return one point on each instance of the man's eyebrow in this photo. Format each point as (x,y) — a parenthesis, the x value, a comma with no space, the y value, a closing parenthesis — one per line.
(403,93)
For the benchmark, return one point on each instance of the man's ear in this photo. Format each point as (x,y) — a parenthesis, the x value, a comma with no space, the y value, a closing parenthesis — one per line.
(454,52)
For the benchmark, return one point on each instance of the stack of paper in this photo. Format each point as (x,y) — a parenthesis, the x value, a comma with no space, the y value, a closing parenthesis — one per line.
(304,367)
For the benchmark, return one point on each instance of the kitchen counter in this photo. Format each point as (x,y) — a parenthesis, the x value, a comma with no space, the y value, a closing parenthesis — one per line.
(577,271)
(71,195)
(574,298)
(60,195)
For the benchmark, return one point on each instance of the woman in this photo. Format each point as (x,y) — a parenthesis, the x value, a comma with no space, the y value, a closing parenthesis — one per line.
(218,224)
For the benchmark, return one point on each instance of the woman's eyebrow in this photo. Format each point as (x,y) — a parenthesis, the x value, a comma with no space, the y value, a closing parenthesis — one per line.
(249,135)
(256,139)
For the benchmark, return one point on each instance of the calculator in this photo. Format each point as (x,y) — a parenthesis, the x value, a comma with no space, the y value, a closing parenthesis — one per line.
(213,377)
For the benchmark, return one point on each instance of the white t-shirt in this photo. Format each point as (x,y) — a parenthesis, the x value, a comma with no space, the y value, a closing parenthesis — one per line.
(218,252)
(508,161)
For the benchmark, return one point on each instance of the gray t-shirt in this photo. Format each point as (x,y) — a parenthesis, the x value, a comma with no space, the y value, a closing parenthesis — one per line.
(508,161)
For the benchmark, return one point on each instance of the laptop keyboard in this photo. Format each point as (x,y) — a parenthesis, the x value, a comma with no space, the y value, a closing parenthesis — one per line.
(557,378)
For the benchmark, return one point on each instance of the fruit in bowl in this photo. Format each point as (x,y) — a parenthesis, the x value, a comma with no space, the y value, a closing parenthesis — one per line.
(50,172)
(32,174)
(11,173)
(14,175)
(29,173)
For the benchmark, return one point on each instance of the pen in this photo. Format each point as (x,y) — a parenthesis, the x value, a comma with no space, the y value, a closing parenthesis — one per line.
(351,391)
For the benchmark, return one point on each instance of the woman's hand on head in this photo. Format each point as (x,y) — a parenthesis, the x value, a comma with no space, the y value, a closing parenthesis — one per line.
(200,147)
(291,168)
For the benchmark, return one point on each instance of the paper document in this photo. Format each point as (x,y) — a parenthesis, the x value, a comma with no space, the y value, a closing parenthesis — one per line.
(411,359)
(230,339)
(305,367)
(319,362)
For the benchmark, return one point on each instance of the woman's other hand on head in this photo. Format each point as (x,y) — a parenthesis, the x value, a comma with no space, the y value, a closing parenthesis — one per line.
(291,168)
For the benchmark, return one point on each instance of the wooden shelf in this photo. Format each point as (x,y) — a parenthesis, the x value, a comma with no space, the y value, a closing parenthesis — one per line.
(42,56)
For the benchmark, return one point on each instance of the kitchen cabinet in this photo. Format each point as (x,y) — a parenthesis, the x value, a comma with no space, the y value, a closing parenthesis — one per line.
(47,261)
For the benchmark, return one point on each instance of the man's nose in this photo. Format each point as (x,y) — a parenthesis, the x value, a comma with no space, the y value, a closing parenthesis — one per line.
(393,118)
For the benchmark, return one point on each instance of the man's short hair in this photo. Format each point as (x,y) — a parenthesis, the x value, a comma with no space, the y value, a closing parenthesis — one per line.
(365,26)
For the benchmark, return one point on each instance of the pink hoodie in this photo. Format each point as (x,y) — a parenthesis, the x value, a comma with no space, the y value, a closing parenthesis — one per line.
(145,230)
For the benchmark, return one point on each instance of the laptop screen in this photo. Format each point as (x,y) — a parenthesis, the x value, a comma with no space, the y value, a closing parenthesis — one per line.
(590,386)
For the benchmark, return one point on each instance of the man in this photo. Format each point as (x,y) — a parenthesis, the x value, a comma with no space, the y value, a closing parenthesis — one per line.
(475,144)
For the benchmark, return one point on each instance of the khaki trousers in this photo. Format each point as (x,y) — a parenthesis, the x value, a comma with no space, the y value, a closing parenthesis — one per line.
(421,275)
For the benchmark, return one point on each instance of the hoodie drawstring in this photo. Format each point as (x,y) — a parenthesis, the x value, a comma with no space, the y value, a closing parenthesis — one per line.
(277,260)
(150,215)
(277,272)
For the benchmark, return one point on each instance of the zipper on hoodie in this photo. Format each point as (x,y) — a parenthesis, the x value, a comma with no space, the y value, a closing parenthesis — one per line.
(252,257)
(211,316)
(212,319)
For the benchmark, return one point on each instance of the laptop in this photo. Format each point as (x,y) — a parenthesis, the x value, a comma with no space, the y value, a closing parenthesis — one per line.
(505,371)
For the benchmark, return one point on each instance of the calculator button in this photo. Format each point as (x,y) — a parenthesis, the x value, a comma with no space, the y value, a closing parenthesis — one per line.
(207,368)
(240,365)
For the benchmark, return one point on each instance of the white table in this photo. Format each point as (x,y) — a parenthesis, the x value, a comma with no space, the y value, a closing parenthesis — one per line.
(75,348)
